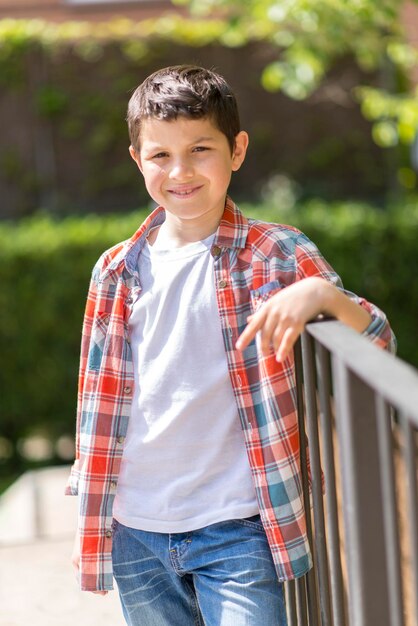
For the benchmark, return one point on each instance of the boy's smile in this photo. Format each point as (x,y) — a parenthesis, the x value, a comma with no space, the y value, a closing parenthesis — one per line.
(187,166)
(185,191)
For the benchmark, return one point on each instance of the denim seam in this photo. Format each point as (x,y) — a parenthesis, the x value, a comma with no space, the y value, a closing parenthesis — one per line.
(249,524)
(194,604)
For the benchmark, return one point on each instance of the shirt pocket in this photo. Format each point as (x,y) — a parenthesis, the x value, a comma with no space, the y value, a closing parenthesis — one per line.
(97,340)
(260,295)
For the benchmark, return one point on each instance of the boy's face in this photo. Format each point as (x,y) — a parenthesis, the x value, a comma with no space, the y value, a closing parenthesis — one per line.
(187,165)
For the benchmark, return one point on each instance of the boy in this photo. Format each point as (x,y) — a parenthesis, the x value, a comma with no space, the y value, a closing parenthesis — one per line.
(196,506)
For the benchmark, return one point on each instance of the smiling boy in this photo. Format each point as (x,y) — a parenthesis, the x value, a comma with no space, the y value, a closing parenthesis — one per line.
(188,461)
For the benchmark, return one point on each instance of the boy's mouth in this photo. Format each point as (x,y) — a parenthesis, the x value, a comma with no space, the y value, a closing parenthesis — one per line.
(184,192)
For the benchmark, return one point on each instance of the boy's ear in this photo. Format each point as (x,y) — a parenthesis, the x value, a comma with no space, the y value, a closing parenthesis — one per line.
(134,154)
(240,150)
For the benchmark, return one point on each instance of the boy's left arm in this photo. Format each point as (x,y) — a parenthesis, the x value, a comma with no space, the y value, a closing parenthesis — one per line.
(317,290)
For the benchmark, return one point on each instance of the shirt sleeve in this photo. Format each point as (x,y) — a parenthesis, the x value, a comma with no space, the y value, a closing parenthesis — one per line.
(72,484)
(310,262)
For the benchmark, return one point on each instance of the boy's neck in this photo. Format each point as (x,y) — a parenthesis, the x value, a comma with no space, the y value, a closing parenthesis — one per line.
(176,233)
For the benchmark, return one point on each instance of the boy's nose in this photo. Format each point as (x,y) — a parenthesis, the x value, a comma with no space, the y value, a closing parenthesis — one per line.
(181,170)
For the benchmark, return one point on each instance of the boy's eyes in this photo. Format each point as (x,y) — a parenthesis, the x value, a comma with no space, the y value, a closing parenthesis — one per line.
(162,155)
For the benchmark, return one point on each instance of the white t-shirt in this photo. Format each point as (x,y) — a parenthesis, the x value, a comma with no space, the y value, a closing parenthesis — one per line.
(184,463)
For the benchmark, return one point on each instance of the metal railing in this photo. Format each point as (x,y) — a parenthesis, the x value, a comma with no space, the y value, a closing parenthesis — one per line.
(358,406)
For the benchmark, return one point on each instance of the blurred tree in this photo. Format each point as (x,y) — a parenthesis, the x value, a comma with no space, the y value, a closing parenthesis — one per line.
(312,36)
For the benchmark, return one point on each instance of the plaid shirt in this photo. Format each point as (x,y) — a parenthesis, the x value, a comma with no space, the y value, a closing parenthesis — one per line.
(253,260)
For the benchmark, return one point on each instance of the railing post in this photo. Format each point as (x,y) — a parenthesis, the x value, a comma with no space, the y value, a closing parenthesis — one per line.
(362,501)
(410,453)
(337,588)
(320,547)
(306,588)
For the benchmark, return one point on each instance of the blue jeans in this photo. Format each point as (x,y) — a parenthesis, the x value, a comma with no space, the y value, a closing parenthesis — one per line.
(220,575)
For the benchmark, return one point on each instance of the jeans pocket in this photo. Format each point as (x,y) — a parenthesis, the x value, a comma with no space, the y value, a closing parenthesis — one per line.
(114,525)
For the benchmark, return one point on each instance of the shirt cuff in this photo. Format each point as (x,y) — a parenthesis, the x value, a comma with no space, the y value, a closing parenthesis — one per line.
(71,488)
(379,331)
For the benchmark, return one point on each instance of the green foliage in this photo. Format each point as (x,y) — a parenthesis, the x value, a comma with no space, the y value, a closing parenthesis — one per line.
(311,36)
(51,101)
(89,39)
(396,116)
(45,265)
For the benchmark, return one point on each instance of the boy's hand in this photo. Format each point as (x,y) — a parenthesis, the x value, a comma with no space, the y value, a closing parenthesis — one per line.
(75,560)
(282,318)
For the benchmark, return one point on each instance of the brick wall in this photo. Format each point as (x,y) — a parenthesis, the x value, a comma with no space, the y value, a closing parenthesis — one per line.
(62,10)
(53,162)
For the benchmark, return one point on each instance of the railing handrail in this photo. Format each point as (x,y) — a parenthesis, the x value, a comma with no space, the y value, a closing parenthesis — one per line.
(358,405)
(395,380)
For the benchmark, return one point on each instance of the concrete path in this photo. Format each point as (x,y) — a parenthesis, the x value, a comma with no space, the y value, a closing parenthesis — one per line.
(37,582)
(38,588)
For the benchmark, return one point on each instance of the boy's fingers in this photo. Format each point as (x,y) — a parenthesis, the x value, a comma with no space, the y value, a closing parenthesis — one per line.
(288,341)
(277,338)
(256,321)
(271,327)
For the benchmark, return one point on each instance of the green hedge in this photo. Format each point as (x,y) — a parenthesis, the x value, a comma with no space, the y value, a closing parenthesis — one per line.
(45,266)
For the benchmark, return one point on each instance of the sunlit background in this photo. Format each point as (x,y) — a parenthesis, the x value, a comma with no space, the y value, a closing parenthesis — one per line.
(328,93)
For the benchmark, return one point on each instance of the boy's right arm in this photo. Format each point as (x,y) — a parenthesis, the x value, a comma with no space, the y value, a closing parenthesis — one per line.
(75,560)
(72,484)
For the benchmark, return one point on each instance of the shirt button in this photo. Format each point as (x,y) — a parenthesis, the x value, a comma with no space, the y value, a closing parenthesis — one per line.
(216,251)
(127,390)
(239,380)
(108,534)
(107,320)
(113,484)
(129,300)
(120,439)
(222,284)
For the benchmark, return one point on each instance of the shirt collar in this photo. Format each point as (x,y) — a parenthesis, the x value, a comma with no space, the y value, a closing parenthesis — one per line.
(233,228)
(231,233)
(128,252)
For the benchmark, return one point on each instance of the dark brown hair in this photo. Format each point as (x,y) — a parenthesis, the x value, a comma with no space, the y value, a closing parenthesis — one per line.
(188,91)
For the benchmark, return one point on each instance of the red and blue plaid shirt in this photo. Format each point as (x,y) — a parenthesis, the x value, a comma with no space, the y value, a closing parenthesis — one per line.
(253,260)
